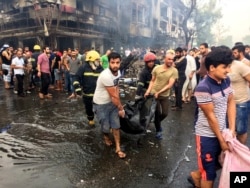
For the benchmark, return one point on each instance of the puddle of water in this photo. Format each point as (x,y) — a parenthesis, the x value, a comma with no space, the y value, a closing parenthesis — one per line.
(47,144)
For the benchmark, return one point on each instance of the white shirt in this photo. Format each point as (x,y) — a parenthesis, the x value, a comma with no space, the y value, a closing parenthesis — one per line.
(20,63)
(106,79)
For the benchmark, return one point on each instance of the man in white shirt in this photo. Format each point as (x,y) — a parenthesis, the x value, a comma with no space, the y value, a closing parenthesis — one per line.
(106,102)
(18,66)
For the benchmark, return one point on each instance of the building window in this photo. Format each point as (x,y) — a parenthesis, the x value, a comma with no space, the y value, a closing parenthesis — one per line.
(1,6)
(140,14)
(101,11)
(147,17)
(134,17)
(174,15)
(163,26)
(88,6)
(181,19)
(164,12)
(173,29)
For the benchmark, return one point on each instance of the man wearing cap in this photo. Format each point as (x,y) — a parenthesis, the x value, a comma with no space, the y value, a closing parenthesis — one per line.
(87,75)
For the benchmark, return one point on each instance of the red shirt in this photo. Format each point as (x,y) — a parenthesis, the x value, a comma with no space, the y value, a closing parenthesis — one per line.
(43,61)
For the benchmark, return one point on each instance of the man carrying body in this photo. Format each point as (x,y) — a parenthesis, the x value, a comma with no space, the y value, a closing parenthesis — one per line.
(143,83)
(216,107)
(107,104)
(163,78)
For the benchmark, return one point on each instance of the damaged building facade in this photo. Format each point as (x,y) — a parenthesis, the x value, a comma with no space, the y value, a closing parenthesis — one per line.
(101,24)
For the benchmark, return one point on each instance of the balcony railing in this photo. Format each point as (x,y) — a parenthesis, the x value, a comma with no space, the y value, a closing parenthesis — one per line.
(32,21)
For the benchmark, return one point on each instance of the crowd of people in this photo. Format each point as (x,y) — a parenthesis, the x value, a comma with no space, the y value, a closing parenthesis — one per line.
(217,78)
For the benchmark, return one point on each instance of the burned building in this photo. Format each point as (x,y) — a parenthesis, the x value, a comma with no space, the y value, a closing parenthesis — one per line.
(85,23)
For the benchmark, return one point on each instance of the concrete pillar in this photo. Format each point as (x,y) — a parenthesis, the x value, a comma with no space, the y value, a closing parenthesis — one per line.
(93,44)
(76,43)
(101,47)
(40,41)
(20,43)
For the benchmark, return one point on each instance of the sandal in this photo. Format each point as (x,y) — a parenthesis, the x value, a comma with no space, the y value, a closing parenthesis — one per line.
(107,141)
(121,154)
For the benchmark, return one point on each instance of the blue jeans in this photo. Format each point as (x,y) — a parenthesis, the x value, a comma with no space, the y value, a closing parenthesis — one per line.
(242,111)
(107,115)
(72,79)
(67,81)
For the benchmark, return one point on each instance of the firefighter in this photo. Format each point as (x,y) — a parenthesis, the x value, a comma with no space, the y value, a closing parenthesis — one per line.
(87,76)
(143,83)
(34,78)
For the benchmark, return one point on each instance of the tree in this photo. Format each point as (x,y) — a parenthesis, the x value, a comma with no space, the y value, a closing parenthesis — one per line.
(220,32)
(206,16)
(246,39)
(227,40)
(188,32)
(201,15)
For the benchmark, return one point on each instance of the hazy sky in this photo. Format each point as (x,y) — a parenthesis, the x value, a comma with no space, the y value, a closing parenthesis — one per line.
(236,16)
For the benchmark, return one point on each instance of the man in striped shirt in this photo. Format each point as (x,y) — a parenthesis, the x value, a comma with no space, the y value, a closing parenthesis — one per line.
(216,104)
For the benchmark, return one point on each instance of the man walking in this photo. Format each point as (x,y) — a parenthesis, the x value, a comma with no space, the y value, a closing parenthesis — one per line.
(87,75)
(180,65)
(144,79)
(43,68)
(107,104)
(19,66)
(240,78)
(203,52)
(216,104)
(163,78)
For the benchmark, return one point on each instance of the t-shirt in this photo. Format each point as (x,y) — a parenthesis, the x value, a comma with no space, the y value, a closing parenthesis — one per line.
(20,63)
(202,70)
(246,61)
(162,78)
(43,61)
(105,79)
(105,61)
(210,91)
(74,66)
(240,86)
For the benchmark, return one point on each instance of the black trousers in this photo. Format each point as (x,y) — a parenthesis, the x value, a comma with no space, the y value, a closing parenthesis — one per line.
(45,79)
(19,78)
(161,111)
(88,102)
(178,91)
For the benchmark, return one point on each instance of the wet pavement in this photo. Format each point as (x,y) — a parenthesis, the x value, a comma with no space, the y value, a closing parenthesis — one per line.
(49,144)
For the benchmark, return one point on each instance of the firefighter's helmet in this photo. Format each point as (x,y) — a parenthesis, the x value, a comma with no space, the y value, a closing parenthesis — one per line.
(92,56)
(37,47)
(149,57)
